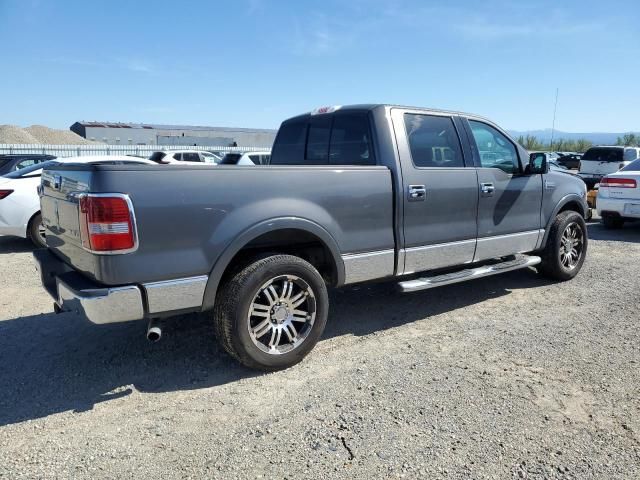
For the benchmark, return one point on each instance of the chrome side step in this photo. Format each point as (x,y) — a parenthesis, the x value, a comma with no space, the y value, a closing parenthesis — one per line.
(522,261)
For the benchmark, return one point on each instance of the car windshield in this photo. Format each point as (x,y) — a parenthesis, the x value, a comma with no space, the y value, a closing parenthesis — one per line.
(30,169)
(632,167)
(603,155)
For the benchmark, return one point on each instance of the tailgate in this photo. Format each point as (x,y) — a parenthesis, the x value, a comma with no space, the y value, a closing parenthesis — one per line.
(59,204)
(593,167)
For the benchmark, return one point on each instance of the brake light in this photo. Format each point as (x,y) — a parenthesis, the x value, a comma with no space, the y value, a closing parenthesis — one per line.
(107,223)
(5,193)
(616,182)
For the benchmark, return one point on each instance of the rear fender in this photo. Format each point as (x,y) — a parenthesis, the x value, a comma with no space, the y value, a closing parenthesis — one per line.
(259,229)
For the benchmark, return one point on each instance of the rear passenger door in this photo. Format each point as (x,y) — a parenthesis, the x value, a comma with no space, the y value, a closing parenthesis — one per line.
(440,198)
(509,219)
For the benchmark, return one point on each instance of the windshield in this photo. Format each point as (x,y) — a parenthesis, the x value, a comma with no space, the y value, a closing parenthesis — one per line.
(603,155)
(632,167)
(30,169)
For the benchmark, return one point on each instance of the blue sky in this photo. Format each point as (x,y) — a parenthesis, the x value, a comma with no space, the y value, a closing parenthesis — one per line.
(253,63)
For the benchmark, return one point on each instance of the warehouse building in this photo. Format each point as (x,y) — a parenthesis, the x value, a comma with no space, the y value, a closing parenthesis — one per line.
(183,135)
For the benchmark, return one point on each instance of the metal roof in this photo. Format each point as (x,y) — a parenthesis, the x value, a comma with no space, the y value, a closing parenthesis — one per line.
(153,126)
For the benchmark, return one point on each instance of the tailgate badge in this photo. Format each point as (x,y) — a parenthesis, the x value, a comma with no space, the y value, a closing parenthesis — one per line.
(57,182)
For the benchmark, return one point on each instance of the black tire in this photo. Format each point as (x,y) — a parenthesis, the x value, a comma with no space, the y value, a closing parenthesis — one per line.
(612,222)
(34,231)
(232,320)
(552,265)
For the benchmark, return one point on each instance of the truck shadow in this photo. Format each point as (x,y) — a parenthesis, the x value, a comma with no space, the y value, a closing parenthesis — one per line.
(56,363)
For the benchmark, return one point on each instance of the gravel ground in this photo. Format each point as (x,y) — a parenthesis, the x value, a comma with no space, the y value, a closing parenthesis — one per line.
(512,377)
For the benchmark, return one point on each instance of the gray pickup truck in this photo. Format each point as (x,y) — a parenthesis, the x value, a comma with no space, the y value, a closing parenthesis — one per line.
(352,194)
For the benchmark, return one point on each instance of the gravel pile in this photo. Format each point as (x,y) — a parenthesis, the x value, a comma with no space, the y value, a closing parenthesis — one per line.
(508,377)
(39,134)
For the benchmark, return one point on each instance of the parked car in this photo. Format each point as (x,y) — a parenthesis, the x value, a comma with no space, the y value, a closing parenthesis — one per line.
(618,198)
(351,194)
(569,160)
(600,161)
(247,158)
(11,163)
(183,156)
(19,202)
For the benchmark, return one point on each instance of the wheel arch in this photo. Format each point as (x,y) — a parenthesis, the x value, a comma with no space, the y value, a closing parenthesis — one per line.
(264,237)
(572,202)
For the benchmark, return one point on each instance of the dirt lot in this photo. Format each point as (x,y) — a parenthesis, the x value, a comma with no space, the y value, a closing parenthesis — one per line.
(510,377)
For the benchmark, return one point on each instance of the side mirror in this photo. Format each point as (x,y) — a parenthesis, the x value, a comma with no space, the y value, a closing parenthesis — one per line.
(537,164)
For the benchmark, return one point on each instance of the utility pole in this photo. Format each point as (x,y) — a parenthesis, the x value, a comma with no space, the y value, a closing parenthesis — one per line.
(553,125)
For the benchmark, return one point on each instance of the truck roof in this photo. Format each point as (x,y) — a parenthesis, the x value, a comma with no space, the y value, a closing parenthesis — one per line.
(373,106)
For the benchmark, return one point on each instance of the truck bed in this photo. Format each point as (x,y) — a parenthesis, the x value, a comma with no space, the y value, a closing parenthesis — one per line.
(187,216)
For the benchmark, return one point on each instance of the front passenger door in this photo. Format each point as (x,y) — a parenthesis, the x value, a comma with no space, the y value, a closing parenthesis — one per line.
(509,206)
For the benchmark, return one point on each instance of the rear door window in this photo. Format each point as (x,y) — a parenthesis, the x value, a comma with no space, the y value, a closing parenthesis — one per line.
(191,157)
(433,141)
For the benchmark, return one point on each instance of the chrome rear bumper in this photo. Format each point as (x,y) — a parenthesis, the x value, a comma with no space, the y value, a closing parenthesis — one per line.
(102,305)
(73,292)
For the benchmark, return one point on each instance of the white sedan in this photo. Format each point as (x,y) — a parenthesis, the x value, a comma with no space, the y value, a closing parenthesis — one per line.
(19,201)
(619,196)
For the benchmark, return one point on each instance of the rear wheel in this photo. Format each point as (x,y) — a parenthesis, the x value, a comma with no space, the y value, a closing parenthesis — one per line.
(566,247)
(612,222)
(37,232)
(270,314)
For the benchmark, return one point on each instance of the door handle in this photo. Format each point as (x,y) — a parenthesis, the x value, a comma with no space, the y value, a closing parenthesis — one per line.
(487,189)
(416,193)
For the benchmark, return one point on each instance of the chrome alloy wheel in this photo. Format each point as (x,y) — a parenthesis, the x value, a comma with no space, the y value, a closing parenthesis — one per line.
(571,246)
(281,314)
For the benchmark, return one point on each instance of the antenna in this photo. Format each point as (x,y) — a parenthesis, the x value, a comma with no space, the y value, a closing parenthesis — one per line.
(553,125)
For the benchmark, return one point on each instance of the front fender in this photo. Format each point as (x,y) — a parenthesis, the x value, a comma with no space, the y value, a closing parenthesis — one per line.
(564,201)
(259,229)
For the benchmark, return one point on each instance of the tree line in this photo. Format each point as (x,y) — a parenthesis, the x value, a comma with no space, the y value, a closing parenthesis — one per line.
(531,143)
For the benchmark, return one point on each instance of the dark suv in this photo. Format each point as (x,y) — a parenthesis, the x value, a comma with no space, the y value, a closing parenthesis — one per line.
(11,163)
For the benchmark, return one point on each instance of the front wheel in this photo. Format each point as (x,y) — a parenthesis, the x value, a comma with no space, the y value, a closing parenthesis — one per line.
(566,248)
(270,314)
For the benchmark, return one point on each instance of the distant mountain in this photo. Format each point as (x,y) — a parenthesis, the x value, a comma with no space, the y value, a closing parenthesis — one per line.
(597,138)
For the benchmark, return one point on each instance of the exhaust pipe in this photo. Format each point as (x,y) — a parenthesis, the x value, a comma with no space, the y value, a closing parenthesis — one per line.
(154,331)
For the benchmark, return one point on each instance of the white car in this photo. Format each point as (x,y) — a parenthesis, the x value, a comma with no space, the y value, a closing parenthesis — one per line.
(184,157)
(600,161)
(19,201)
(619,196)
(247,158)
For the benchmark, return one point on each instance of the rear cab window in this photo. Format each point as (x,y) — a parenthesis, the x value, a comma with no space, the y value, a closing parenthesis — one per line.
(341,138)
(603,155)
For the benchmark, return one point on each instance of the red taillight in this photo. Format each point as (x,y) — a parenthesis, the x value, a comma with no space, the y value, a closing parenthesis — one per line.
(5,193)
(106,223)
(616,182)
